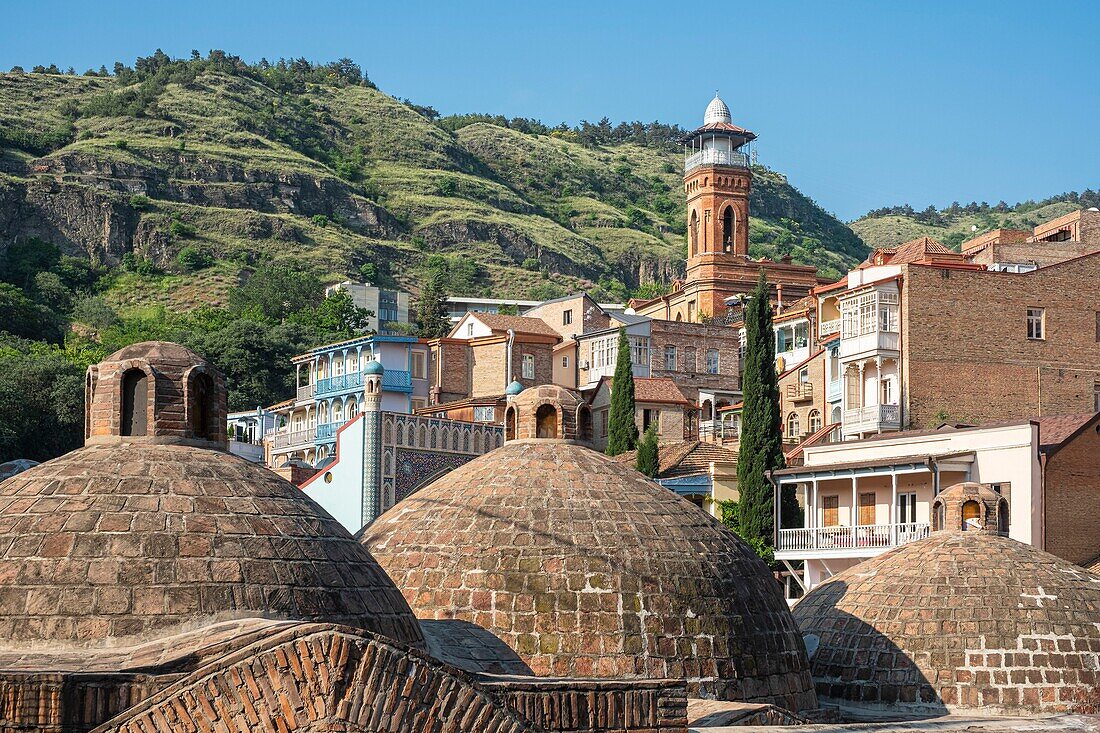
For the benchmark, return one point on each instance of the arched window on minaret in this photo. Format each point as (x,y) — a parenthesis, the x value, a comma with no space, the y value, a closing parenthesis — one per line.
(728,221)
(694,234)
(135,403)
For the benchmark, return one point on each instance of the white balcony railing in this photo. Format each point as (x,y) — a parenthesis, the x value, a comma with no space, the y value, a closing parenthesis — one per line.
(872,418)
(828,328)
(305,392)
(717,430)
(869,537)
(716,157)
(294,438)
(869,343)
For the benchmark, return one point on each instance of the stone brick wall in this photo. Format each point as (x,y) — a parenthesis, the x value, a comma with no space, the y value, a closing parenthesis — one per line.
(489,365)
(965,351)
(790,386)
(450,370)
(1070,484)
(686,336)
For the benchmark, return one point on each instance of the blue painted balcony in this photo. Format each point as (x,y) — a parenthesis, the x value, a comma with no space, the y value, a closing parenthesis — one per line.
(339,383)
(395,380)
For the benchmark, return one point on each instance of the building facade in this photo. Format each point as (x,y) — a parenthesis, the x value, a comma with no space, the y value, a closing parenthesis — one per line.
(387,306)
(658,403)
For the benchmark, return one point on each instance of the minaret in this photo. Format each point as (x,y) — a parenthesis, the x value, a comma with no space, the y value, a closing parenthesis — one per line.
(717,181)
(372,440)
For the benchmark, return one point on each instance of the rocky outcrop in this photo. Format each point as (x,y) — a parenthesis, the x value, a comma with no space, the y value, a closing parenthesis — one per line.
(635,268)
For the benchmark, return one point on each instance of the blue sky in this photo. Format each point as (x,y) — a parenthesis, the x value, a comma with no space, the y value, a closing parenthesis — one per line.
(861,104)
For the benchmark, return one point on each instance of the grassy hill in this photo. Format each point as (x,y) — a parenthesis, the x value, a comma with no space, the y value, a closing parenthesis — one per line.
(248,165)
(956,224)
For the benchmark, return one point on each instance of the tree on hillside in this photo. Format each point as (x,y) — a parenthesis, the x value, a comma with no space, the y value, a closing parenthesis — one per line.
(648,459)
(622,432)
(431,308)
(761,442)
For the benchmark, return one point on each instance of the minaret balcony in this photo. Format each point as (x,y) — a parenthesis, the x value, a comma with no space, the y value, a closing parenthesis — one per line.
(710,156)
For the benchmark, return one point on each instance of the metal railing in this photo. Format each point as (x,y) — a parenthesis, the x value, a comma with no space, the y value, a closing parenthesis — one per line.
(716,157)
(339,383)
(293,438)
(396,380)
(859,537)
(717,430)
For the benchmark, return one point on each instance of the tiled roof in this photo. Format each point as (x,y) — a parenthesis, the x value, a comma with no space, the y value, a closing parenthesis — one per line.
(655,389)
(1056,429)
(1092,565)
(812,439)
(689,458)
(519,324)
(919,250)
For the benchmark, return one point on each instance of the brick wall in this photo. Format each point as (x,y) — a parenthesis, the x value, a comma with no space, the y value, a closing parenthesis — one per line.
(965,351)
(1071,483)
(450,371)
(700,338)
(586,315)
(790,386)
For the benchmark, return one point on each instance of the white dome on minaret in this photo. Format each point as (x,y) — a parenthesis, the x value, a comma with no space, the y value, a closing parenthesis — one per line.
(717,111)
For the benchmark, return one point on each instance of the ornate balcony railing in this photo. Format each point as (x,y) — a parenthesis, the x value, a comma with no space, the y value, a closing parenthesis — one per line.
(800,392)
(716,157)
(828,328)
(305,392)
(327,431)
(293,438)
(339,383)
(861,537)
(872,417)
(395,380)
(833,391)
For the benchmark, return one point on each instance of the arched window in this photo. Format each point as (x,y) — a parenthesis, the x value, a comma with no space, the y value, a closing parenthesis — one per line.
(792,426)
(584,424)
(939,515)
(971,512)
(204,413)
(727,229)
(1002,517)
(135,403)
(835,417)
(814,422)
(546,422)
(694,231)
(510,424)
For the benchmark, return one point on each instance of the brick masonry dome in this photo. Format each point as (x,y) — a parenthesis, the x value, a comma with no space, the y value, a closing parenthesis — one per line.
(133,540)
(972,507)
(548,412)
(585,568)
(957,621)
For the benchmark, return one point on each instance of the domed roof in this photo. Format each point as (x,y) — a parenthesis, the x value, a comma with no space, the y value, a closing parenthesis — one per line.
(514,388)
(955,621)
(373,367)
(138,540)
(587,569)
(717,111)
(158,351)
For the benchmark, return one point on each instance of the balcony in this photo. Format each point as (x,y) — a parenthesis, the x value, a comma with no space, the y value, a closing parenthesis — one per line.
(834,390)
(861,540)
(716,157)
(828,328)
(717,431)
(326,432)
(395,380)
(305,392)
(869,343)
(293,439)
(339,383)
(872,419)
(801,392)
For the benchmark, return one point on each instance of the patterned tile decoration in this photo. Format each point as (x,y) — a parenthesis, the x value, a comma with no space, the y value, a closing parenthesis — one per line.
(585,568)
(958,621)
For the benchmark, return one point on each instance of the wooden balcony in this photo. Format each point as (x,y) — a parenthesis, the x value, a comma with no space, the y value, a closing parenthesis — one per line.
(865,539)
(801,392)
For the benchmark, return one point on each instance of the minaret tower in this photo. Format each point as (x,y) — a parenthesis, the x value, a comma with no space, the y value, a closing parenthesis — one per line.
(717,180)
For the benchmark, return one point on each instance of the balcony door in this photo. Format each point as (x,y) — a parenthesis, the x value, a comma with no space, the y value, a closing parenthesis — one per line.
(907,508)
(830,507)
(867,508)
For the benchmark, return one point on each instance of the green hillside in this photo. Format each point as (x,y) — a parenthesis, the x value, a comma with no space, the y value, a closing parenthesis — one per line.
(957,223)
(258,164)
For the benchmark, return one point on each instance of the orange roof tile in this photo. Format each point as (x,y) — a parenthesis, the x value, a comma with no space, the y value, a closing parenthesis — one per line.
(519,324)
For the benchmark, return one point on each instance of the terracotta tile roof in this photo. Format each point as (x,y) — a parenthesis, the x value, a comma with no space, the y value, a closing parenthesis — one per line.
(1056,429)
(660,390)
(1092,565)
(812,439)
(922,249)
(689,458)
(519,324)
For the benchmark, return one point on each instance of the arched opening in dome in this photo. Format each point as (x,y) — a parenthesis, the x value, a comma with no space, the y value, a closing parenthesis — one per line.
(971,515)
(728,220)
(135,403)
(546,421)
(510,424)
(203,398)
(584,424)
(694,234)
(1002,517)
(939,515)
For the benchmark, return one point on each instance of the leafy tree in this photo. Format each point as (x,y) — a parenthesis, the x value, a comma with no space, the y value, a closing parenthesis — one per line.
(761,446)
(26,258)
(648,458)
(95,312)
(336,317)
(622,432)
(41,401)
(193,259)
(431,308)
(21,316)
(274,292)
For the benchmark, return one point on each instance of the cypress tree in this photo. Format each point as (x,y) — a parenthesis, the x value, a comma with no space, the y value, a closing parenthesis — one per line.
(622,433)
(431,308)
(761,446)
(648,459)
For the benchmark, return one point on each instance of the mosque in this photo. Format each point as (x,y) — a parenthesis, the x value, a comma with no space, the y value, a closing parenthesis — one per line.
(151,581)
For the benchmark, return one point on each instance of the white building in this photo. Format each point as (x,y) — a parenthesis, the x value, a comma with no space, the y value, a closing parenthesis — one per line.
(246,431)
(388,306)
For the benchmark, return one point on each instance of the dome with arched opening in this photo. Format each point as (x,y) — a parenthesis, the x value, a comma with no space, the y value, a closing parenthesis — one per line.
(583,567)
(152,527)
(961,620)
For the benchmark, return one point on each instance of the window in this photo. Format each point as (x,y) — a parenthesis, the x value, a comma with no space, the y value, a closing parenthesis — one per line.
(603,423)
(907,508)
(546,422)
(651,418)
(804,375)
(639,350)
(567,317)
(814,421)
(830,507)
(135,402)
(1036,320)
(469,330)
(886,393)
(528,366)
(670,358)
(712,361)
(1096,396)
(867,508)
(484,413)
(971,515)
(565,362)
(419,365)
(792,426)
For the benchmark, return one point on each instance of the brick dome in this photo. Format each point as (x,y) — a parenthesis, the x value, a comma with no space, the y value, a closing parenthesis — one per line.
(587,569)
(957,621)
(136,536)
